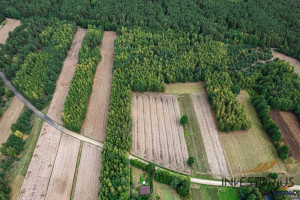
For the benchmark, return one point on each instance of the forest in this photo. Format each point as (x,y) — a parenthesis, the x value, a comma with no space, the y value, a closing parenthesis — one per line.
(82,83)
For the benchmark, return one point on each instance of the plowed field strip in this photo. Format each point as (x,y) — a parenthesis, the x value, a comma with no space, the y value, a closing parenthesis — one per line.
(155,132)
(61,181)
(148,131)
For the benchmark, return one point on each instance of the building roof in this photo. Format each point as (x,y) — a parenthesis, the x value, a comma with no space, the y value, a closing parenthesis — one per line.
(144,190)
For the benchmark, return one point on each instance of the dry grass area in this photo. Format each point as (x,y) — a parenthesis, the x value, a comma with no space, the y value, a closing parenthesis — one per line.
(60,185)
(244,150)
(213,148)
(184,88)
(9,26)
(290,128)
(87,183)
(9,117)
(294,62)
(165,191)
(94,125)
(157,134)
(65,77)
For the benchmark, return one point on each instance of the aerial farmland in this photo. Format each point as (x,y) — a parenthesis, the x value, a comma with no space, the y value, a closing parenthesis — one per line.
(149,99)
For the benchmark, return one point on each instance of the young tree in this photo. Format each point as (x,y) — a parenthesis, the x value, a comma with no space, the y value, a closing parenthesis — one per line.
(184,120)
(191,161)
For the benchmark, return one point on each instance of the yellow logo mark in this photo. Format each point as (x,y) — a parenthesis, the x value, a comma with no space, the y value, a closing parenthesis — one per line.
(287,187)
(263,167)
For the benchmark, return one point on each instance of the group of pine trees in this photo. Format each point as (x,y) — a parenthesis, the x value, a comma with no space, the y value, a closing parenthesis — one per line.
(82,82)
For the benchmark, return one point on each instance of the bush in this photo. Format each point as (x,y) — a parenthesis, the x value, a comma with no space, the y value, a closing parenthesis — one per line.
(191,161)
(184,120)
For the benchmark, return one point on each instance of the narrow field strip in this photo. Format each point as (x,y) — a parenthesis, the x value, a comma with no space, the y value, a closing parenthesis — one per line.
(94,125)
(10,116)
(40,168)
(10,25)
(87,184)
(214,151)
(61,181)
(157,134)
(65,77)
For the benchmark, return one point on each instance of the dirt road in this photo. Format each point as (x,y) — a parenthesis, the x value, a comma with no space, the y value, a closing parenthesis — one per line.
(94,125)
(10,25)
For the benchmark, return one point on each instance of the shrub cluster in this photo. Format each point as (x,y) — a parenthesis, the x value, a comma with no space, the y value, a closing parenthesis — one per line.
(82,82)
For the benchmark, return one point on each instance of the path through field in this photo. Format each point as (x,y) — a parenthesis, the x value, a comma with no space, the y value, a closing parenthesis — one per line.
(294,62)
(157,135)
(290,128)
(213,148)
(10,25)
(51,171)
(94,125)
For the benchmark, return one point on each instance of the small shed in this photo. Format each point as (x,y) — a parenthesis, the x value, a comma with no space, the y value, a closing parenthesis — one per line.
(145,190)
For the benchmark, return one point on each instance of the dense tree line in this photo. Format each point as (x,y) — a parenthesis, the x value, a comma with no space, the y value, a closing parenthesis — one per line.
(254,22)
(269,126)
(12,148)
(36,79)
(82,82)
(229,113)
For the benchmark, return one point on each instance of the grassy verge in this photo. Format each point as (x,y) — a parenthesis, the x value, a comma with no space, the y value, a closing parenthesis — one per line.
(214,193)
(17,173)
(165,191)
(194,139)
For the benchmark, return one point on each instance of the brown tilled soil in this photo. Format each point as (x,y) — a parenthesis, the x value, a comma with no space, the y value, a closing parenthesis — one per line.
(66,75)
(9,117)
(39,171)
(60,185)
(157,135)
(290,129)
(87,184)
(213,148)
(94,125)
(10,25)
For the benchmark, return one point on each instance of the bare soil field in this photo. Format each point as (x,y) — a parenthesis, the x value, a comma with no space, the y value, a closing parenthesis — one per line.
(290,129)
(10,25)
(9,117)
(87,183)
(184,88)
(40,168)
(60,185)
(213,148)
(66,75)
(157,134)
(94,125)
(294,62)
(244,150)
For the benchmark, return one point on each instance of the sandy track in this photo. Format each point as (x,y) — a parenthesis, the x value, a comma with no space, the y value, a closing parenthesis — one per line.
(9,117)
(10,25)
(87,184)
(213,148)
(157,134)
(94,125)
(65,77)
(39,171)
(294,62)
(61,181)
(290,129)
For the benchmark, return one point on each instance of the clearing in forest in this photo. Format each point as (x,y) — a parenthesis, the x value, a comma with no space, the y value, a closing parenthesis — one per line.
(94,125)
(10,25)
(53,166)
(290,128)
(294,62)
(209,132)
(157,134)
(184,88)
(9,117)
(244,150)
